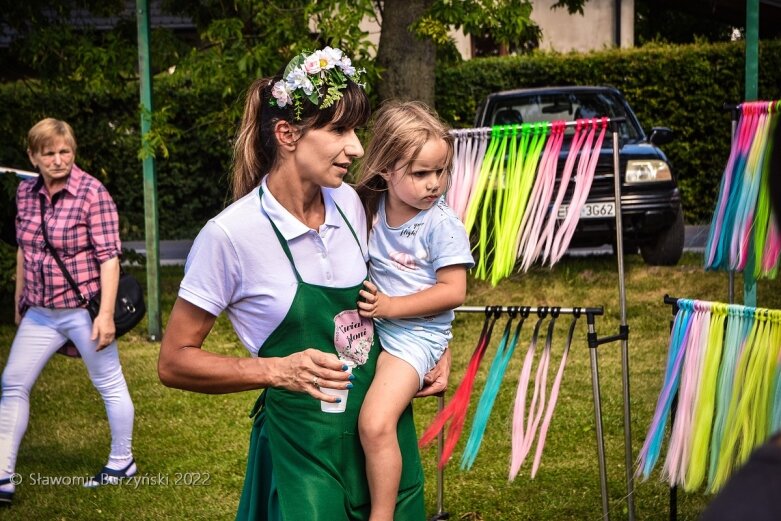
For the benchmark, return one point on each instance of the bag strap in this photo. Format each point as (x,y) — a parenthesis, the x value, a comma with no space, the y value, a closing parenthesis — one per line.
(82,298)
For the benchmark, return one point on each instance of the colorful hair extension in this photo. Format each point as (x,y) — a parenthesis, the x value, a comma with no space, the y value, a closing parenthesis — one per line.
(493,381)
(763,206)
(486,168)
(471,155)
(649,453)
(553,398)
(534,218)
(739,324)
(537,408)
(455,411)
(706,400)
(585,176)
(676,463)
(483,204)
(519,414)
(519,187)
(775,404)
(715,255)
(746,202)
(545,242)
(733,426)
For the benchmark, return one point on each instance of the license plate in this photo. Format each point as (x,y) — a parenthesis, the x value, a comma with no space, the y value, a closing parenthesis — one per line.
(591,210)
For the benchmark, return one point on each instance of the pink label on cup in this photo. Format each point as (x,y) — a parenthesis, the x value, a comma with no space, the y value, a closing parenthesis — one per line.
(353,336)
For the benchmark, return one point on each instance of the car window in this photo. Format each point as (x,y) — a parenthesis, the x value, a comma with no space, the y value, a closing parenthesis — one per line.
(563,106)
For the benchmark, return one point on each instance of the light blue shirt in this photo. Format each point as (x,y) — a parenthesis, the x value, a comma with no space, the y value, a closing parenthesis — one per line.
(405,260)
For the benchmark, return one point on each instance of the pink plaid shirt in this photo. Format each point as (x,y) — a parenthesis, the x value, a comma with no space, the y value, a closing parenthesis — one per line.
(82,224)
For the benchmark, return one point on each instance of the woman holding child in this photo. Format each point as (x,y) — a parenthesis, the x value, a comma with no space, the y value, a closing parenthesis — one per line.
(286,261)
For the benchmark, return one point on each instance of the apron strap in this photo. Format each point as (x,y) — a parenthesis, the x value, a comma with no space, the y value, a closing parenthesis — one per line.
(286,249)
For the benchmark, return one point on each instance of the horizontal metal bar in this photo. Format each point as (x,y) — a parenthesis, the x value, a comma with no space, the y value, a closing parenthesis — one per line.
(534,309)
(21,173)
(619,119)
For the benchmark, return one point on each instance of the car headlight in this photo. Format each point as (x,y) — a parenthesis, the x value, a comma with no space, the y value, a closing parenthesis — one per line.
(647,171)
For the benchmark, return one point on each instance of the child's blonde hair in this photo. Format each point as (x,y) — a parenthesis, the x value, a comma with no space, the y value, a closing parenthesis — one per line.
(399,131)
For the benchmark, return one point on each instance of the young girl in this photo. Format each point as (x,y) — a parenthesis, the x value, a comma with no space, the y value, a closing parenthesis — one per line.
(419,253)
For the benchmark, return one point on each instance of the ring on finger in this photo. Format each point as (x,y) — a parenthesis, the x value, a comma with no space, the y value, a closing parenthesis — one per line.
(315,381)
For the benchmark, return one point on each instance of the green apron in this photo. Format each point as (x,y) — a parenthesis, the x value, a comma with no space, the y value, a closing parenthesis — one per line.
(305,464)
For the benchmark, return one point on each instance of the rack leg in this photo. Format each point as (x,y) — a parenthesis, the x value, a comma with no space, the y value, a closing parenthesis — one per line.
(600,434)
(673,488)
(441,514)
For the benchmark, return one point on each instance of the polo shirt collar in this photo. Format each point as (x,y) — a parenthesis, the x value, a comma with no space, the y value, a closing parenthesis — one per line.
(289,226)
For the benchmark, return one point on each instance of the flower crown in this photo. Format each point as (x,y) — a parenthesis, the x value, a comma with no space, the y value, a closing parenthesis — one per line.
(319,77)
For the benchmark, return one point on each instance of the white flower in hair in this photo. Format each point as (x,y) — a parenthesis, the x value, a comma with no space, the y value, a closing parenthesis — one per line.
(312,64)
(347,66)
(281,94)
(332,56)
(299,79)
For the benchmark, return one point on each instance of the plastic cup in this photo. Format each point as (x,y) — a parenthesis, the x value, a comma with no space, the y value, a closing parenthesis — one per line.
(341,393)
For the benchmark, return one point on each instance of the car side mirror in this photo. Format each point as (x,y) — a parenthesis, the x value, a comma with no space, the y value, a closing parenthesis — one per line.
(661,136)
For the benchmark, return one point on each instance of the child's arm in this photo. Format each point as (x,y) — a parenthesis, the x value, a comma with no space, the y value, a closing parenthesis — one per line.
(449,292)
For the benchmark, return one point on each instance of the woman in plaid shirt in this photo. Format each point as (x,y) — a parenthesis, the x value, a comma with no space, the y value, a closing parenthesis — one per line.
(82,224)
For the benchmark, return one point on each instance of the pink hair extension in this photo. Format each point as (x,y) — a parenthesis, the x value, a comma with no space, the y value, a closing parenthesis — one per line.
(586,168)
(536,409)
(545,241)
(518,432)
(553,399)
(529,246)
(772,249)
(458,171)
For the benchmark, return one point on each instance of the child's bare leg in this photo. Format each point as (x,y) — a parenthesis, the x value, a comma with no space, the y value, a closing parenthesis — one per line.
(395,383)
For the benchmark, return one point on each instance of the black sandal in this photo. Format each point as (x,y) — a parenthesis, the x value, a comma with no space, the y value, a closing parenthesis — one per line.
(108,476)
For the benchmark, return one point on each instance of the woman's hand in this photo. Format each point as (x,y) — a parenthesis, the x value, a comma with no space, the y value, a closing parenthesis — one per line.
(435,381)
(308,370)
(103,330)
(374,303)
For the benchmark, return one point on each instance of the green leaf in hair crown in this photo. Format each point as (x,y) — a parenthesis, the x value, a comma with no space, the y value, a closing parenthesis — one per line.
(320,77)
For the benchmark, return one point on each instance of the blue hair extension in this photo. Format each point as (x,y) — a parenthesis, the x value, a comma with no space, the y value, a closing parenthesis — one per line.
(493,381)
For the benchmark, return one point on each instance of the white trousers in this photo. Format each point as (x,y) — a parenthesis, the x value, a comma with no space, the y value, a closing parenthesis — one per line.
(41,332)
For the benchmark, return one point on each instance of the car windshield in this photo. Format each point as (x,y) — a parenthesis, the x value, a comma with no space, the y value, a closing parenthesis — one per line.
(567,106)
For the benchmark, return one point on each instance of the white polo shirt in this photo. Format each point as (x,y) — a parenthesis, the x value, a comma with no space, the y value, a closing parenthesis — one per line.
(237,264)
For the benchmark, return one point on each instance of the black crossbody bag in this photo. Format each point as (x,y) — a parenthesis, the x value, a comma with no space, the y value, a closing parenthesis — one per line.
(129,308)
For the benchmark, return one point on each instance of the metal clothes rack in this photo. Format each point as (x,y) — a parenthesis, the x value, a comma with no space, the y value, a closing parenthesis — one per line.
(593,342)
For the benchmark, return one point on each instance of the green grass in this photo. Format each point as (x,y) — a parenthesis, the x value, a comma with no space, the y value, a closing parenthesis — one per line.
(180,435)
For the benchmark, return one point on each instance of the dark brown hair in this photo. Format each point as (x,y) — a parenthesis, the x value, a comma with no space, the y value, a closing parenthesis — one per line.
(255,150)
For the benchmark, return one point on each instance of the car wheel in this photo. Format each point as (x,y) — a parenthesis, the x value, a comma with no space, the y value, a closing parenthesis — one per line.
(666,248)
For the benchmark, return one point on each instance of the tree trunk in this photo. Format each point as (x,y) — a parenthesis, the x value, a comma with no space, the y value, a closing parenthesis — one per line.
(406,61)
